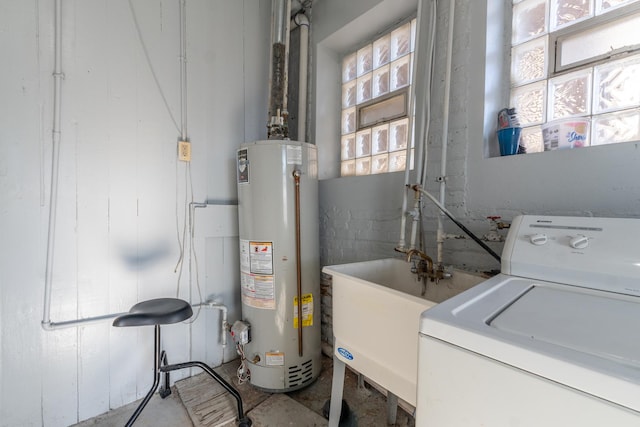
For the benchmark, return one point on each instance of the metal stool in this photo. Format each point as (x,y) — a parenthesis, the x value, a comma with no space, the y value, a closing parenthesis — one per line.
(164,311)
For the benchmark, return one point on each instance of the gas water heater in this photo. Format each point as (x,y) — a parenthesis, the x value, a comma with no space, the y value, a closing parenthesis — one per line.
(279,262)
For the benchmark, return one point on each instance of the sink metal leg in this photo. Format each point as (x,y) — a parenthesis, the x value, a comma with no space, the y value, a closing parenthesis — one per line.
(337,387)
(392,408)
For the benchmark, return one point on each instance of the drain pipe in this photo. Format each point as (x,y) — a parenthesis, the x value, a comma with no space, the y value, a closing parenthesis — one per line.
(445,131)
(302,21)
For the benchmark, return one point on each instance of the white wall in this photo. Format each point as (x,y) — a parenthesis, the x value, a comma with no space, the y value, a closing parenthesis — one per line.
(121,190)
(599,181)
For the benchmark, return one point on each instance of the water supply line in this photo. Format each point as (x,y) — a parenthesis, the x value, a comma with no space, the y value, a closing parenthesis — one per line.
(224,323)
(445,211)
(401,247)
(56,137)
(415,213)
(55,160)
(445,132)
(420,102)
(424,49)
(301,21)
(296,178)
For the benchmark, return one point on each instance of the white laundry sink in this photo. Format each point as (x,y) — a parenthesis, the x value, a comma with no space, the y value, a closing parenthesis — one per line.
(376,316)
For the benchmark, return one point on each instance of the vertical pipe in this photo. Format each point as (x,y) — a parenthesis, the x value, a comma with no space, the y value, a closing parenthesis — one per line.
(417,137)
(420,139)
(445,127)
(55,160)
(183,71)
(302,21)
(277,125)
(287,34)
(296,178)
(413,105)
(427,85)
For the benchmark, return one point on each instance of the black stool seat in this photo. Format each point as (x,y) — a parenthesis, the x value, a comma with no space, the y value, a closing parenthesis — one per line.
(159,311)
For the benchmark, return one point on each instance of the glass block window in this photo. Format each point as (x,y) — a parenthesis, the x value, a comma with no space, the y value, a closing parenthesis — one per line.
(576,60)
(375,105)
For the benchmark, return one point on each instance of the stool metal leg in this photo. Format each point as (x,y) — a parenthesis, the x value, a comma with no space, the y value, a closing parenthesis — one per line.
(165,390)
(156,380)
(160,367)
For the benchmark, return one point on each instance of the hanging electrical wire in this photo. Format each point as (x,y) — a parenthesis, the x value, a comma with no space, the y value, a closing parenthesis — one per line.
(243,373)
(150,64)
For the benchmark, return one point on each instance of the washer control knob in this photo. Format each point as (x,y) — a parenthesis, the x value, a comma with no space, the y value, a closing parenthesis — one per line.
(538,239)
(579,242)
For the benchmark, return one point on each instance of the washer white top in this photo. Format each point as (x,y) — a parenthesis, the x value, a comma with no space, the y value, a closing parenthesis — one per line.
(583,338)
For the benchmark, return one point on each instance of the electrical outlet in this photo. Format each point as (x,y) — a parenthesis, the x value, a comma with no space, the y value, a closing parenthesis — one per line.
(184,151)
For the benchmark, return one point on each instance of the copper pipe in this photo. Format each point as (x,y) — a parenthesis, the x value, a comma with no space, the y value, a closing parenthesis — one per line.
(296,178)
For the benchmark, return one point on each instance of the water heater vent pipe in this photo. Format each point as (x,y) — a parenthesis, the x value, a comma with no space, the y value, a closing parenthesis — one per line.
(278,75)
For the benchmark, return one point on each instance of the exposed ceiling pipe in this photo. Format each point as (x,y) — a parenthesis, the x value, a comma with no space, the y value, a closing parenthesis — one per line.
(278,76)
(301,20)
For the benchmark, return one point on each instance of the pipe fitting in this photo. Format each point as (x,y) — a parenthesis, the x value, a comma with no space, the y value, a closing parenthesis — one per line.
(216,305)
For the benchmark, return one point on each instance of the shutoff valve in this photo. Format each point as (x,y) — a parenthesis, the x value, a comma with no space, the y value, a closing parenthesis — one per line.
(240,332)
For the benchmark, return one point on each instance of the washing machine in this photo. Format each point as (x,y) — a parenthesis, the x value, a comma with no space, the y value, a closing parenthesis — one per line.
(553,340)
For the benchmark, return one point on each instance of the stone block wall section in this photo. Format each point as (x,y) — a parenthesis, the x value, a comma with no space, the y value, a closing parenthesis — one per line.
(326,309)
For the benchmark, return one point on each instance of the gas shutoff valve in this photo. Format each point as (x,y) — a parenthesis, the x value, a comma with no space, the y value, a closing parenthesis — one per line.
(240,332)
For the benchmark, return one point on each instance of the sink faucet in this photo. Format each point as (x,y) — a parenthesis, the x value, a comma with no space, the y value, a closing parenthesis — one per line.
(430,271)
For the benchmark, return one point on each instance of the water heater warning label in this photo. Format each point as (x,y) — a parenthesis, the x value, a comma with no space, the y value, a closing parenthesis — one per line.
(261,257)
(258,291)
(307,311)
(274,358)
(256,257)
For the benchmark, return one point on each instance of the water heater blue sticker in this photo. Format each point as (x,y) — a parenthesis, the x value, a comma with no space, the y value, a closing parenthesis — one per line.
(345,353)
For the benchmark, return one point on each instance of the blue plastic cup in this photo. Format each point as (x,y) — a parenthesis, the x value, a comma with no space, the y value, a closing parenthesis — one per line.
(509,140)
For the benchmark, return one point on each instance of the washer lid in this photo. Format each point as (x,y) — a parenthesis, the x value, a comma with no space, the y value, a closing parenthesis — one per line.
(600,324)
(582,338)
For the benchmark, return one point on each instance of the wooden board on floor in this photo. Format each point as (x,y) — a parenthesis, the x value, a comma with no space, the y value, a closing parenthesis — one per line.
(210,405)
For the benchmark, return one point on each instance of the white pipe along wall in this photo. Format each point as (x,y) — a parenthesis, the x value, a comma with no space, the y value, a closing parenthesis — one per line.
(301,20)
(105,236)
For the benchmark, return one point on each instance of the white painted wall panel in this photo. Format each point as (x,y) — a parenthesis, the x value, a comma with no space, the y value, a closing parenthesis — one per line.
(121,190)
(20,234)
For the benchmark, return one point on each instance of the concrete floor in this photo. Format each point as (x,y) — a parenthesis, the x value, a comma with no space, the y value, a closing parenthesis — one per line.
(302,408)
